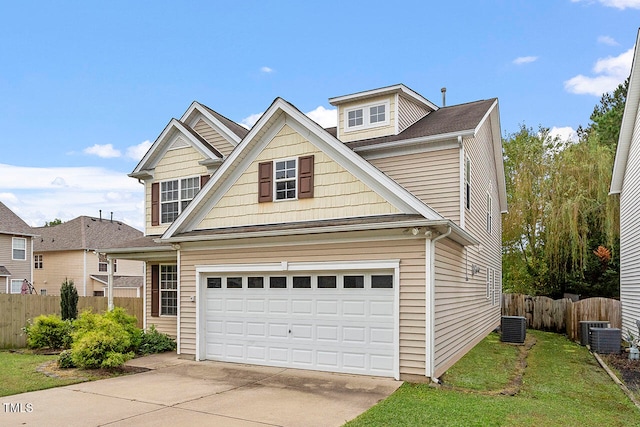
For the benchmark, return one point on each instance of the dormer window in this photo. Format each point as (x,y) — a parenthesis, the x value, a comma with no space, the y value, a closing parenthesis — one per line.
(366,116)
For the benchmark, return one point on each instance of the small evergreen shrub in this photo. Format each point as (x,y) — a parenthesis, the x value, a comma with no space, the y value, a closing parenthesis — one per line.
(65,360)
(49,332)
(68,300)
(154,341)
(104,341)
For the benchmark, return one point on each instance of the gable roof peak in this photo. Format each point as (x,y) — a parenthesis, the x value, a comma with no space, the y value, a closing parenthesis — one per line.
(399,88)
(10,223)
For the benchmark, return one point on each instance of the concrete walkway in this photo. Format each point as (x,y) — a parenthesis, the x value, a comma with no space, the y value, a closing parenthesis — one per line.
(178,392)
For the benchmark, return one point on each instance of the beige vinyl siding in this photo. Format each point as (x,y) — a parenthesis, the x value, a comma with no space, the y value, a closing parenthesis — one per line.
(410,251)
(214,138)
(433,177)
(124,292)
(463,313)
(165,324)
(19,269)
(176,164)
(57,266)
(372,132)
(337,193)
(409,112)
(630,235)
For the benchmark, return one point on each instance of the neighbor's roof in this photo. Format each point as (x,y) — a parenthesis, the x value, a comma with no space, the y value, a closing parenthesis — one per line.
(4,271)
(84,232)
(444,121)
(10,223)
(120,281)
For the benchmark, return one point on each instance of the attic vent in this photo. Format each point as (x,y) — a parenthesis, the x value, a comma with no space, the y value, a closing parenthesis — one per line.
(178,143)
(585,325)
(605,340)
(514,329)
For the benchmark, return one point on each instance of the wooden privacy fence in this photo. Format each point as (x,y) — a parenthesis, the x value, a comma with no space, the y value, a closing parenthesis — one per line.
(563,315)
(16,309)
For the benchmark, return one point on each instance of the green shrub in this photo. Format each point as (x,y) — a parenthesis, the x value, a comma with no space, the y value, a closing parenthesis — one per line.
(49,332)
(65,360)
(68,300)
(156,342)
(104,341)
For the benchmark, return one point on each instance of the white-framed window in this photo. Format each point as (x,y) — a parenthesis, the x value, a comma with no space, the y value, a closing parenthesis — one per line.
(489,213)
(169,290)
(103,263)
(175,195)
(285,173)
(37,262)
(366,116)
(497,288)
(467,182)
(19,248)
(16,286)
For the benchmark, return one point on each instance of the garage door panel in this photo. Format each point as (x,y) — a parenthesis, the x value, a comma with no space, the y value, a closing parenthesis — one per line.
(331,329)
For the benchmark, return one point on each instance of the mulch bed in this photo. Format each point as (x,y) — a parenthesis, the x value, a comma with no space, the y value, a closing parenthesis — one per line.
(628,369)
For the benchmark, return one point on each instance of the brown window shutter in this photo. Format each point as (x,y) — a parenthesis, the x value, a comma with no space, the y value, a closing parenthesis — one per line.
(155,290)
(203,180)
(155,203)
(305,177)
(265,184)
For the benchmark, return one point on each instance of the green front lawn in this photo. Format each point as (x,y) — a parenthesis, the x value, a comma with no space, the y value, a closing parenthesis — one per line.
(561,385)
(18,373)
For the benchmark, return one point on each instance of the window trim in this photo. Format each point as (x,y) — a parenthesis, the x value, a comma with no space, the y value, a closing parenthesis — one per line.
(489,213)
(38,262)
(162,290)
(179,200)
(14,249)
(366,116)
(294,179)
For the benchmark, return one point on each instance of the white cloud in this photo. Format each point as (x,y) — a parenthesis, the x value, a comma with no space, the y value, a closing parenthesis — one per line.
(137,152)
(38,195)
(105,151)
(251,120)
(618,4)
(566,133)
(322,116)
(266,70)
(525,60)
(607,40)
(611,71)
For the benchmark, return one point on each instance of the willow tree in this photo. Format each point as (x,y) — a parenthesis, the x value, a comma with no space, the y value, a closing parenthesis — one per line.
(528,157)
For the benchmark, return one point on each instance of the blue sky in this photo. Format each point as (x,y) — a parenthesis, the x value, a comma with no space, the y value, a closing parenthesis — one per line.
(85,87)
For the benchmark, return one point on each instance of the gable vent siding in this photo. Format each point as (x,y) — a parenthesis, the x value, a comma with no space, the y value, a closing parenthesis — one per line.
(409,113)
(305,177)
(213,137)
(155,203)
(265,182)
(155,290)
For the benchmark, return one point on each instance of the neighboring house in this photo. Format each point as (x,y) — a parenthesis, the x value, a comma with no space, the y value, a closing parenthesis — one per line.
(68,251)
(626,183)
(371,248)
(16,251)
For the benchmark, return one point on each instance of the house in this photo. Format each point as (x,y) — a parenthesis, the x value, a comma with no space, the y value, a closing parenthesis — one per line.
(16,251)
(370,248)
(626,182)
(68,251)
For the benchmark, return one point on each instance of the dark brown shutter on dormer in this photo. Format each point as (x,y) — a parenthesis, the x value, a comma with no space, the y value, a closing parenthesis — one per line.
(265,184)
(305,177)
(203,180)
(155,203)
(155,290)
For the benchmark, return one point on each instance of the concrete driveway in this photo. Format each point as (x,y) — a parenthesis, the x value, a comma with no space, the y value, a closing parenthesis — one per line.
(178,392)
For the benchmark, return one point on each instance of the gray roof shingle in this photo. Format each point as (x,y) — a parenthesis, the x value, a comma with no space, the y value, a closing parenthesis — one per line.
(84,232)
(10,223)
(233,126)
(120,281)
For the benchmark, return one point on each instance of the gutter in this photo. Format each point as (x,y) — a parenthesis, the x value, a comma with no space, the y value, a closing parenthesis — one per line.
(415,141)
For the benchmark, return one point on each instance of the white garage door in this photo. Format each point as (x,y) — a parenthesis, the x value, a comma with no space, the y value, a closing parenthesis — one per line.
(338,322)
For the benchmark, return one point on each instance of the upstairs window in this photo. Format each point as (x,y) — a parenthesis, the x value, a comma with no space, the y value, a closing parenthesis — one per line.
(103,264)
(366,116)
(19,248)
(286,179)
(37,262)
(489,213)
(175,196)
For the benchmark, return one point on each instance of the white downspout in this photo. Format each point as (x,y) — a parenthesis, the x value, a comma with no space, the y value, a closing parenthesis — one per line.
(110,283)
(84,272)
(430,316)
